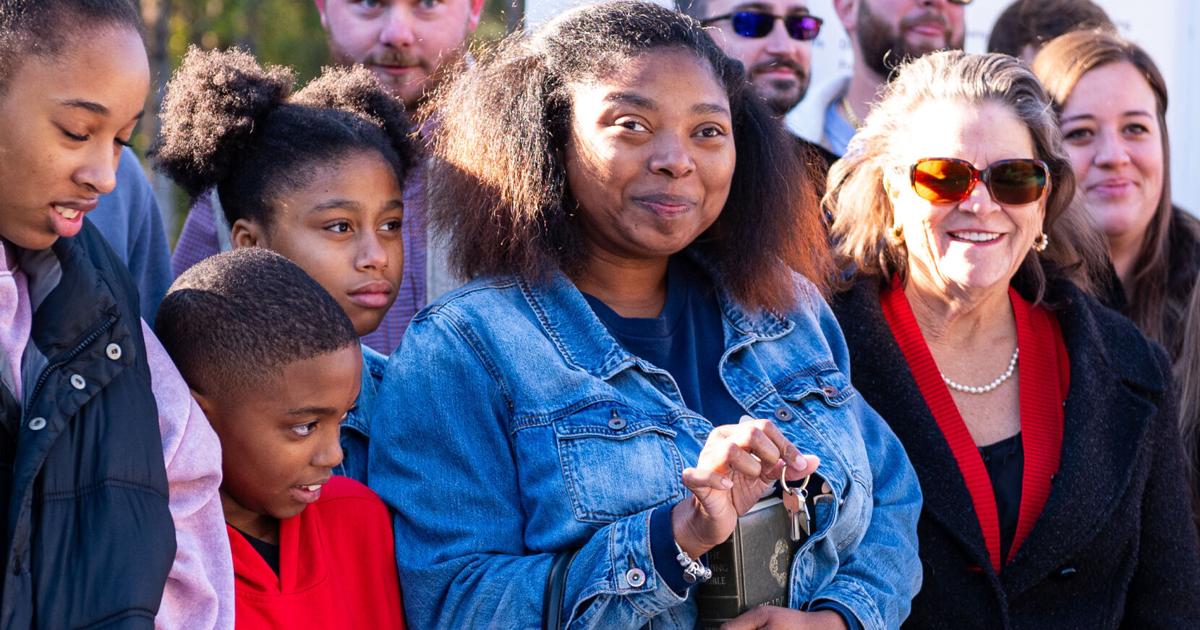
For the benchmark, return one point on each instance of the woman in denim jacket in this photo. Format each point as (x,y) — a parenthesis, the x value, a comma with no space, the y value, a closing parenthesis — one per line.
(634,220)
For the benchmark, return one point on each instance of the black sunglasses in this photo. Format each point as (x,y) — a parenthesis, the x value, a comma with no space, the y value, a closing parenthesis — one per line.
(756,24)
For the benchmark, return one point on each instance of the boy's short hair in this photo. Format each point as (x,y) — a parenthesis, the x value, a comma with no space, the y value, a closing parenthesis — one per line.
(239,317)
(1035,22)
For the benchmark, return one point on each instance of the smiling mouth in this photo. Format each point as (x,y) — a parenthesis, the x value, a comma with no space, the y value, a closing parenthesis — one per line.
(975,237)
(666,205)
(1112,185)
(929,30)
(395,70)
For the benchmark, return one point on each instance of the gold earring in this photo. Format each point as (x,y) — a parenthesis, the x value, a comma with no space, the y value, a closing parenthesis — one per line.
(1041,242)
(897,233)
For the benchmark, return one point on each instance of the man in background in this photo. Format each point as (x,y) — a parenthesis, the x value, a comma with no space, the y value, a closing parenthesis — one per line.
(882,33)
(1026,25)
(130,220)
(774,40)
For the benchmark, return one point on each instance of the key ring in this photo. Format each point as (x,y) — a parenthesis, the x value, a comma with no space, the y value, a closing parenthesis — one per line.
(802,490)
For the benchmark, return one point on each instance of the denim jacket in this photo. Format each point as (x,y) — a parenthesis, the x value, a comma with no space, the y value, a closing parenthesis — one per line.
(356,429)
(511,427)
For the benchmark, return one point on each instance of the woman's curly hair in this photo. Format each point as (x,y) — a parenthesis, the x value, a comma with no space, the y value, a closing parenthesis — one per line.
(230,123)
(498,185)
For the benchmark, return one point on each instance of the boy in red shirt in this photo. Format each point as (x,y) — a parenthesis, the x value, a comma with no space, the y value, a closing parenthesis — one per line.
(275,364)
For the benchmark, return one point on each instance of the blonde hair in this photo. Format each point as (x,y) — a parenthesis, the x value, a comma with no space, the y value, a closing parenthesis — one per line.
(862,210)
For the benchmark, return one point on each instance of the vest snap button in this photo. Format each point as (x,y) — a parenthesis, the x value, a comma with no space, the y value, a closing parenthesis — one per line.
(1066,573)
(113,351)
(78,381)
(37,424)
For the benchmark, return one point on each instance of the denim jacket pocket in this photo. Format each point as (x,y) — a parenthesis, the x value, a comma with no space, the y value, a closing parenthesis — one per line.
(822,382)
(616,463)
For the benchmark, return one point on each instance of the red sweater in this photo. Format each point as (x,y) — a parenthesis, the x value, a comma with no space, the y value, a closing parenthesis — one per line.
(337,567)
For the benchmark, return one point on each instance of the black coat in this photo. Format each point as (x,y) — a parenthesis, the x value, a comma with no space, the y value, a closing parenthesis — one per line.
(89,538)
(1115,544)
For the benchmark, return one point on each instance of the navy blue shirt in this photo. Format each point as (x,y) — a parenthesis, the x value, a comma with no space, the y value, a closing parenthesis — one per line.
(686,339)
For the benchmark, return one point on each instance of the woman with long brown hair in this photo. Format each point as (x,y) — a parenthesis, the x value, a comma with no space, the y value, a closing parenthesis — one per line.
(633,219)
(1111,101)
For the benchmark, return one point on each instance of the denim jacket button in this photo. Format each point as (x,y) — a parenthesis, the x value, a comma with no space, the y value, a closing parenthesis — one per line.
(783,414)
(829,390)
(616,423)
(636,577)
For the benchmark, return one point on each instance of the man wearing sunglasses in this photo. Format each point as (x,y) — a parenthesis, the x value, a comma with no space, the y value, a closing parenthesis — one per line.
(883,33)
(773,39)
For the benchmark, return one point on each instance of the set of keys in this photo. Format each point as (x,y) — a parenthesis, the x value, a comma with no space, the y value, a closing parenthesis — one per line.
(796,502)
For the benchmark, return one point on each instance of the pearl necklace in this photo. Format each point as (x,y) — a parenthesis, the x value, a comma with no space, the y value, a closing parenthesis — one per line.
(968,389)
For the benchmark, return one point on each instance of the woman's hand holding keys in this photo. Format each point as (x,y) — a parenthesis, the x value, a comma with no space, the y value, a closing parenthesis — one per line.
(736,466)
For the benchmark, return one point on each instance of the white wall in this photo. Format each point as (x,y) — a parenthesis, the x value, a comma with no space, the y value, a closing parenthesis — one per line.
(1168,29)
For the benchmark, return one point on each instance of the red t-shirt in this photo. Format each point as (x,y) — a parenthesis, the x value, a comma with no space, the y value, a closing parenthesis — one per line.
(337,567)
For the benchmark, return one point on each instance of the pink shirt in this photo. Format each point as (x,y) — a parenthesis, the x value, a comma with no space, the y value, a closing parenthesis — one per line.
(199,589)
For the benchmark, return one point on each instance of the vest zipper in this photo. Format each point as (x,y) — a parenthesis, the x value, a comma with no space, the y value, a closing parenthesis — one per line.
(70,356)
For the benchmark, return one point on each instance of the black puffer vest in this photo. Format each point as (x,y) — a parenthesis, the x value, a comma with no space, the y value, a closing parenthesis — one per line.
(89,539)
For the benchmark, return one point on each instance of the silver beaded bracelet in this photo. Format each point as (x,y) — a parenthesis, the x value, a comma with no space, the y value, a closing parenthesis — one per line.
(693,571)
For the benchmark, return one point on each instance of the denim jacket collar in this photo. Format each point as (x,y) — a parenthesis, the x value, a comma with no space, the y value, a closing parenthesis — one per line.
(359,418)
(585,342)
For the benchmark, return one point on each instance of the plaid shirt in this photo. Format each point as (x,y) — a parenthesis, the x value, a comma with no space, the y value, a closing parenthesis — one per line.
(202,238)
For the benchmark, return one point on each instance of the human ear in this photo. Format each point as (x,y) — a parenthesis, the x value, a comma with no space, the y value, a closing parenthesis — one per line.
(206,406)
(321,12)
(476,14)
(246,233)
(847,11)
(890,187)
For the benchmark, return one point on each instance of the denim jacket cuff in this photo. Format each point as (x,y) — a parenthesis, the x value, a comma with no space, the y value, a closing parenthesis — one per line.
(632,573)
(847,616)
(851,597)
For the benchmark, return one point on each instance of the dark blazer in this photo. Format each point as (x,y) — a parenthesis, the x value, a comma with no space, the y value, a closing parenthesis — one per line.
(1114,545)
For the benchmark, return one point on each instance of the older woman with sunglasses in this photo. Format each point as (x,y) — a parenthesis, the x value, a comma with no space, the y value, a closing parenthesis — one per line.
(1039,422)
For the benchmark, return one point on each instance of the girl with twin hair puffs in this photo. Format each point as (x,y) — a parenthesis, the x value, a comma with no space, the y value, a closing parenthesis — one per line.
(315,176)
